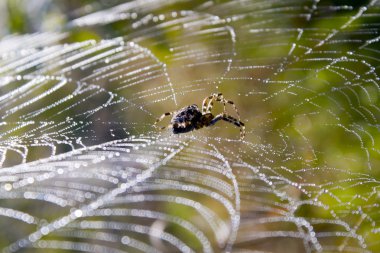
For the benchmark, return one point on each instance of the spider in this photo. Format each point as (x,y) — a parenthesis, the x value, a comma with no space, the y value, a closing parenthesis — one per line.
(190,118)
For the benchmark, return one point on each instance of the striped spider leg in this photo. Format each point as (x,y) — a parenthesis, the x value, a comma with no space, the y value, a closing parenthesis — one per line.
(230,119)
(166,114)
(208,103)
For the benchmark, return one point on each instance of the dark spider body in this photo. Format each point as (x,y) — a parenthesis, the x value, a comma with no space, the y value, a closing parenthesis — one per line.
(190,118)
(186,119)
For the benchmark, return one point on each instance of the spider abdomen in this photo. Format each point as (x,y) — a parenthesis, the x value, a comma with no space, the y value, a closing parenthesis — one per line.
(186,119)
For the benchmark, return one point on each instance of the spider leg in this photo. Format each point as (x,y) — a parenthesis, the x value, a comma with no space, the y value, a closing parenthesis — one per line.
(234,106)
(161,118)
(205,103)
(232,120)
(217,97)
(220,98)
(168,126)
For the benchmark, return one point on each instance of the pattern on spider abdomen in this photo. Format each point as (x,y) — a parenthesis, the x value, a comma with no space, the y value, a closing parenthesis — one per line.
(186,119)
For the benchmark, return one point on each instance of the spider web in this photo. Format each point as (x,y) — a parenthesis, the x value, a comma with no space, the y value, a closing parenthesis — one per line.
(83,170)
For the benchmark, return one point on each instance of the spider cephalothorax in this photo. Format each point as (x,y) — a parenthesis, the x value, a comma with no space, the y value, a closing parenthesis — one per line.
(190,117)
